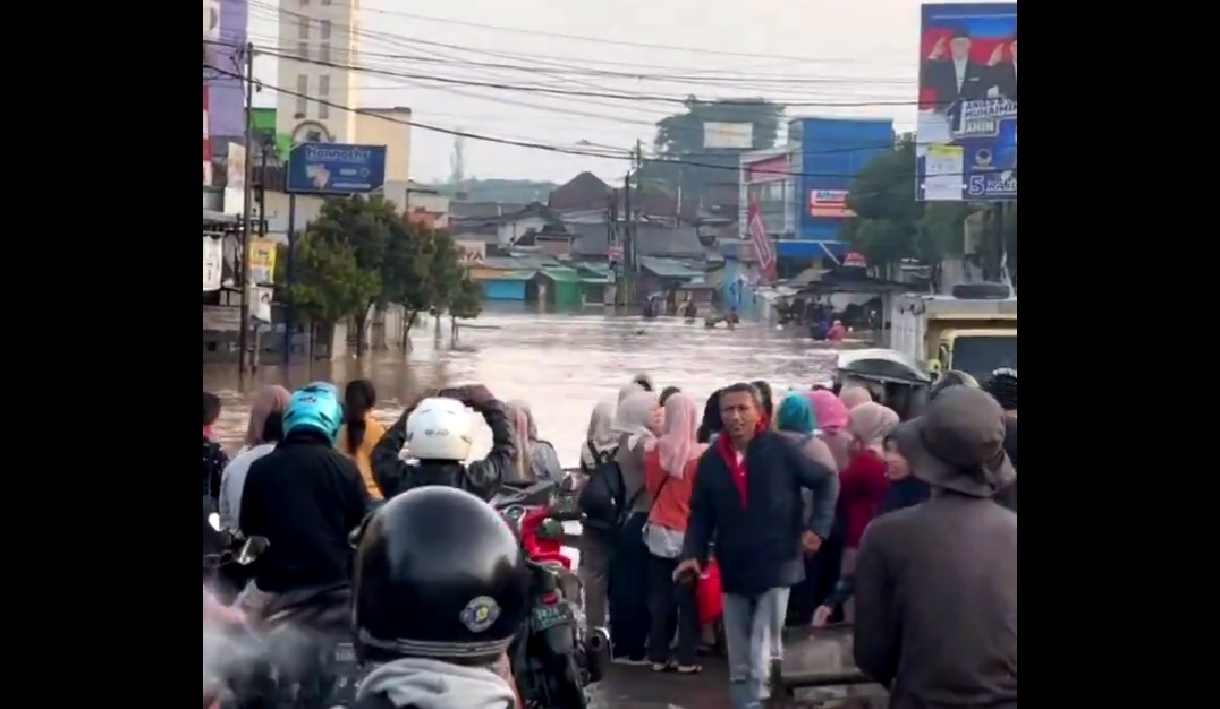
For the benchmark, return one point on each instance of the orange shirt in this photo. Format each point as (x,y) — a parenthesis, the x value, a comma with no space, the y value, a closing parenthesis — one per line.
(671,508)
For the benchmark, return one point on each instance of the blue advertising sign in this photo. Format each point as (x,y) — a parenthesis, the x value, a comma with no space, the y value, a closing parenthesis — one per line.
(335,168)
(966,127)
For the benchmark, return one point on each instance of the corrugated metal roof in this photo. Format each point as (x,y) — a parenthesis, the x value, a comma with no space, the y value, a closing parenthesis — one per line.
(669,268)
(562,275)
(510,276)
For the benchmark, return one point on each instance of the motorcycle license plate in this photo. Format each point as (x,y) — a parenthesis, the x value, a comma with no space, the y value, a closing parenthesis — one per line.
(547,617)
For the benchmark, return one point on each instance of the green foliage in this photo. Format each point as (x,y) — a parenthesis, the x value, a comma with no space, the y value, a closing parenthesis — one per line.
(467,301)
(891,225)
(360,251)
(681,135)
(330,283)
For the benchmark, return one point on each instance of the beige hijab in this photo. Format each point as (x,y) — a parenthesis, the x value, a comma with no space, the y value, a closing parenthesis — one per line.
(870,423)
(269,400)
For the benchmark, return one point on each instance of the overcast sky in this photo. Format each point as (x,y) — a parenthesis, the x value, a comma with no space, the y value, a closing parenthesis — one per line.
(810,55)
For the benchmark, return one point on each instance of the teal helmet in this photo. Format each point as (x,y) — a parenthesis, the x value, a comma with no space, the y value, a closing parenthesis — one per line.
(315,406)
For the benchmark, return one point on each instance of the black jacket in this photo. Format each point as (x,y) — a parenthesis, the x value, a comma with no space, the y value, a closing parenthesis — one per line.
(758,545)
(481,477)
(214,462)
(305,497)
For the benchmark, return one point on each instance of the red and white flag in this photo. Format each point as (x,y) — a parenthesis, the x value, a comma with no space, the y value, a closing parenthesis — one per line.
(763,248)
(207,142)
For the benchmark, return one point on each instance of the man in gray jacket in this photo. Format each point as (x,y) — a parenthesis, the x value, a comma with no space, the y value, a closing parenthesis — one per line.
(936,584)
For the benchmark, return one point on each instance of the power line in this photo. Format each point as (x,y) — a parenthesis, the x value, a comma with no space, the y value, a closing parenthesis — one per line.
(580,93)
(621,153)
(612,42)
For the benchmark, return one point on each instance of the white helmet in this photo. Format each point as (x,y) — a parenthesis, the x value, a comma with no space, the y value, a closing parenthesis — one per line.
(439,429)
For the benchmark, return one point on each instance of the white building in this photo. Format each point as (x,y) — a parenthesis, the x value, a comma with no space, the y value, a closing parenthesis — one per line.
(326,33)
(323,31)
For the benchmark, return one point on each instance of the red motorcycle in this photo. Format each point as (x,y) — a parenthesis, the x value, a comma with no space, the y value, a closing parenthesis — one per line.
(556,656)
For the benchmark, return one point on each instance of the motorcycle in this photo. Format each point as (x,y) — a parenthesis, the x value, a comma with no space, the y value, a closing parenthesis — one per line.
(296,652)
(556,656)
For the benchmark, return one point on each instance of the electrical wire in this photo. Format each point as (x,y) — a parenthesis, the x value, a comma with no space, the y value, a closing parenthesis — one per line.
(617,154)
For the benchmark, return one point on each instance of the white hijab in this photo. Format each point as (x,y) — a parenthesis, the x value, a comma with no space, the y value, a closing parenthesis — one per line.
(600,436)
(633,416)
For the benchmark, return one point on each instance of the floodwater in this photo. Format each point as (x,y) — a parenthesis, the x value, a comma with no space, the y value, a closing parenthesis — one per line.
(562,365)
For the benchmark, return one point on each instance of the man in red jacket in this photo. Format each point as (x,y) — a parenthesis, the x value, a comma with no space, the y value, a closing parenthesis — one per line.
(747,497)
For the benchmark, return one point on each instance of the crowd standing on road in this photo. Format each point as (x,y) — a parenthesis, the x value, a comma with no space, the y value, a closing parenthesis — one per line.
(735,516)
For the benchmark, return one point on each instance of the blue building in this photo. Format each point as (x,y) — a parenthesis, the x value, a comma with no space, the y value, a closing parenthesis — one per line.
(801,188)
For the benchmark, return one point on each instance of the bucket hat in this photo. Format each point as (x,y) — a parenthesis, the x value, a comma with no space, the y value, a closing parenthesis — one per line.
(958,444)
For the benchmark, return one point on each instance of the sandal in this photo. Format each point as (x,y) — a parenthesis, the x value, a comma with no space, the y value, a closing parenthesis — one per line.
(662,667)
(688,669)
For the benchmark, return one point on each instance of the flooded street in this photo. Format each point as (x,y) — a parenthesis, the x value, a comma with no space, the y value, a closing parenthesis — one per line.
(562,365)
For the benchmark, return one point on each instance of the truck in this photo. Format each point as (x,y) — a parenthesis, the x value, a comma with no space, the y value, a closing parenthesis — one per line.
(973,330)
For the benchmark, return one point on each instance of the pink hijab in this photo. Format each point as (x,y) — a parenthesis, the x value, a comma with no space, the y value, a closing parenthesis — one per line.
(677,445)
(831,415)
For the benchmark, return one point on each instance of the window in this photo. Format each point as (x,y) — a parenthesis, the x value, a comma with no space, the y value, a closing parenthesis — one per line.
(325,29)
(326,3)
(324,93)
(302,91)
(305,3)
(303,50)
(303,28)
(324,52)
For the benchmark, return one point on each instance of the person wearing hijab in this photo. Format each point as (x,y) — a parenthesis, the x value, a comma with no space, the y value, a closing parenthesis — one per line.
(669,470)
(831,415)
(905,490)
(853,395)
(534,459)
(863,483)
(822,569)
(636,422)
(795,420)
(263,432)
(601,442)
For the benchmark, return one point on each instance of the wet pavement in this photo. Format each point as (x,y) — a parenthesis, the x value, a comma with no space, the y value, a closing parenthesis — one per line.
(562,365)
(641,688)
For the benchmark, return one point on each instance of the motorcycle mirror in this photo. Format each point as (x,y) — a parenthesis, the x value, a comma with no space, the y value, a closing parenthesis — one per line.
(214,520)
(252,549)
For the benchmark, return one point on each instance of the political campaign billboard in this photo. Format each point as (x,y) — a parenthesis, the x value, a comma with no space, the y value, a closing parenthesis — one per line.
(966,128)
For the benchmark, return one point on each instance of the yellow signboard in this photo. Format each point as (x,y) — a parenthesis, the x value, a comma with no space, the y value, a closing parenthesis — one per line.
(262,261)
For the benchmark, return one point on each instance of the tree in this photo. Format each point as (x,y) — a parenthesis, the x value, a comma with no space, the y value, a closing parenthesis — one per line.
(330,284)
(682,135)
(361,228)
(890,224)
(467,302)
(421,270)
(679,143)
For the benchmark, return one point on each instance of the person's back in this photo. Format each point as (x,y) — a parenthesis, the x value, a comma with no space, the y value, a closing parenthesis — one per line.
(371,433)
(953,572)
(305,497)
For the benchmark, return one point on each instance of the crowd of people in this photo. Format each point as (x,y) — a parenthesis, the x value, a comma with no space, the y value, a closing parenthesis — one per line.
(814,509)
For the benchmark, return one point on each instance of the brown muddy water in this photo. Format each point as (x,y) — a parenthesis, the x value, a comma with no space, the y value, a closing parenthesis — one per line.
(562,365)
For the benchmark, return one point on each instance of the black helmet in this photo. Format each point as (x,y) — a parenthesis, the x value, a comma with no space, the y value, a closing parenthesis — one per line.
(1003,386)
(951,378)
(439,575)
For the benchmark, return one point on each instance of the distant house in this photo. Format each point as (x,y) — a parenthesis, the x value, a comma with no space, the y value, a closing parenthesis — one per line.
(681,242)
(586,191)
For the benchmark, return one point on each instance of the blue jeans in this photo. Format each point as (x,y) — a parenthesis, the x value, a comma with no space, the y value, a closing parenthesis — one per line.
(750,624)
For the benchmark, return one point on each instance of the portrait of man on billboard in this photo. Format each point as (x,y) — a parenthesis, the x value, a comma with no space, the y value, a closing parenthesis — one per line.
(1004,73)
(955,77)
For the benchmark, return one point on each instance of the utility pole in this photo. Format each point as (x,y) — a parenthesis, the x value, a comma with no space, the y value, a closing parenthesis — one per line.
(243,324)
(628,244)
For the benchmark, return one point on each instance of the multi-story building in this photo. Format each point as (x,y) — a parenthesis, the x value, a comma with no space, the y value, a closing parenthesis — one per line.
(318,38)
(319,41)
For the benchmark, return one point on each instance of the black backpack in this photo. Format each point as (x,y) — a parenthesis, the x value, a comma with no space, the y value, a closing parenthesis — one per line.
(602,501)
